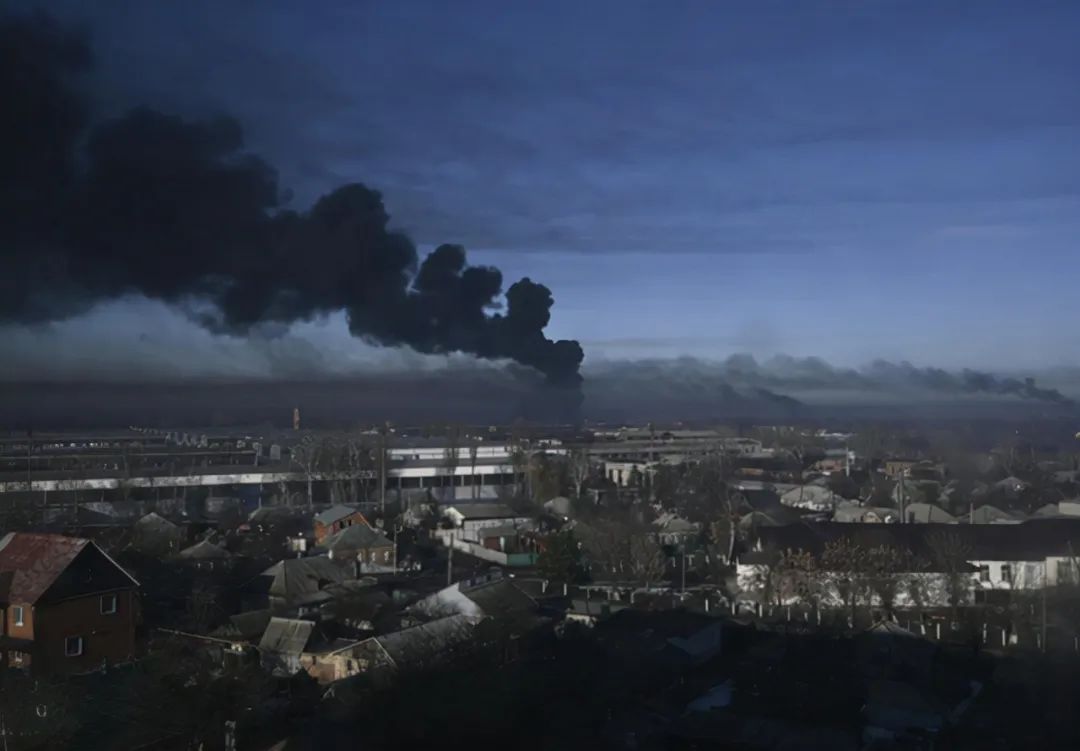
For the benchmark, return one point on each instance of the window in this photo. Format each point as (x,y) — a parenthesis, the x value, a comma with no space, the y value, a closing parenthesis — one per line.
(108,604)
(17,616)
(984,573)
(73,646)
(1006,572)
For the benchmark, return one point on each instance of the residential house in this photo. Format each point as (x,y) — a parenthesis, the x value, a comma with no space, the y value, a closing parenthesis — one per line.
(988,514)
(1029,555)
(411,648)
(67,607)
(367,547)
(206,555)
(335,519)
(672,529)
(851,512)
(484,597)
(155,535)
(294,584)
(469,518)
(927,513)
(810,497)
(283,643)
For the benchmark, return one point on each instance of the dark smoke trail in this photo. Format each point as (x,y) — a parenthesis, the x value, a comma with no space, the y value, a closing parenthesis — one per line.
(178,211)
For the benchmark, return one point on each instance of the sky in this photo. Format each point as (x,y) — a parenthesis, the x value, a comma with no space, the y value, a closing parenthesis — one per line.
(849,180)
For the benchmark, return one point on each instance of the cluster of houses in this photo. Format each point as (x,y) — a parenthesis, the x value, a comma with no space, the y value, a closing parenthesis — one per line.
(328,593)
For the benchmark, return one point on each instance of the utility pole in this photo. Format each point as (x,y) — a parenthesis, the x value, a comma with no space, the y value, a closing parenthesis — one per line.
(1044,585)
(683,588)
(397,528)
(383,431)
(450,563)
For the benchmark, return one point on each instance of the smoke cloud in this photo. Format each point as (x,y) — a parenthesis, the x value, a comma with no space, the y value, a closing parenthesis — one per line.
(814,380)
(180,212)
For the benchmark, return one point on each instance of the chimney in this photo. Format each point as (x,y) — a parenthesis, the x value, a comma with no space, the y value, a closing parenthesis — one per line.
(296,418)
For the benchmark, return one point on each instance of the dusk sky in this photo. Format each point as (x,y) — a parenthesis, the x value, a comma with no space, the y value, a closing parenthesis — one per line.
(848,180)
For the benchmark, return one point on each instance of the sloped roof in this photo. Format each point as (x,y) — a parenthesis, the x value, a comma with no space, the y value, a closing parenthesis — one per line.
(153,522)
(427,640)
(927,512)
(204,551)
(356,537)
(335,514)
(286,636)
(35,561)
(295,578)
(988,514)
(251,623)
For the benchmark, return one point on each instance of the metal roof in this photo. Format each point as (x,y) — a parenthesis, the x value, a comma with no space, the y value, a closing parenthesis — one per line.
(286,636)
(36,560)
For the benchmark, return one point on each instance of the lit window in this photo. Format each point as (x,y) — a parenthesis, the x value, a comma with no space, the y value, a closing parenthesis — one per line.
(73,646)
(108,604)
(17,616)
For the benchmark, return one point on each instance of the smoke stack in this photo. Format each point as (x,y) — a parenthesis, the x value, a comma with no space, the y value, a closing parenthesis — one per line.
(296,418)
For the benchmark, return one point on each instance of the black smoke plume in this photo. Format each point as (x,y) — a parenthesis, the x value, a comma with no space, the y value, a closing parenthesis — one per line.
(178,211)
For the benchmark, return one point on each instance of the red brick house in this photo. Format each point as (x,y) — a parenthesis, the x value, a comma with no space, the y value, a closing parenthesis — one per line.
(65,605)
(335,519)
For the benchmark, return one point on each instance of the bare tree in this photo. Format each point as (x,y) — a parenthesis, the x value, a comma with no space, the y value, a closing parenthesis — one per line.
(307,453)
(844,563)
(795,577)
(579,467)
(624,550)
(951,555)
(886,567)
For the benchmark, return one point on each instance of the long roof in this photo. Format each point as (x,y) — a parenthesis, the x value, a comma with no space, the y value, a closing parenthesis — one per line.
(478,511)
(35,561)
(1032,540)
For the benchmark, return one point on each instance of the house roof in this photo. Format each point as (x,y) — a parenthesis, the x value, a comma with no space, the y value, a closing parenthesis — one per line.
(335,514)
(925,513)
(251,623)
(153,522)
(356,537)
(476,511)
(296,578)
(204,551)
(427,640)
(35,561)
(286,636)
(988,514)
